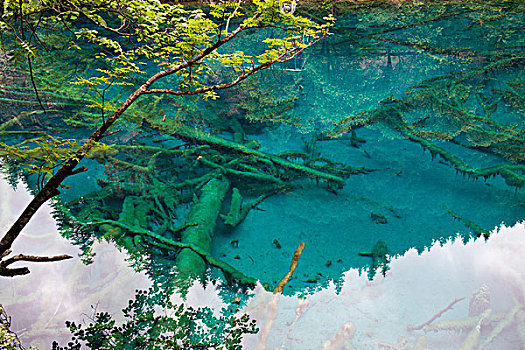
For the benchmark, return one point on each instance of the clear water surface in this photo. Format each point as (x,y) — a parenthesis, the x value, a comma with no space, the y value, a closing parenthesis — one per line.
(350,99)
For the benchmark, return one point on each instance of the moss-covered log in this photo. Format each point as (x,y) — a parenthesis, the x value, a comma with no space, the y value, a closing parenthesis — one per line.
(194,136)
(238,209)
(476,229)
(203,215)
(235,215)
(512,173)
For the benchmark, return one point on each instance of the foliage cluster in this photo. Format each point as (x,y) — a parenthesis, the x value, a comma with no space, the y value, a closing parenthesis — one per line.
(154,322)
(42,155)
(8,339)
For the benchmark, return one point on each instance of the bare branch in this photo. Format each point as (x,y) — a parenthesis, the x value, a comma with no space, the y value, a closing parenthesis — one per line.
(33,83)
(14,272)
(283,58)
(213,87)
(7,272)
(22,257)
(6,253)
(231,16)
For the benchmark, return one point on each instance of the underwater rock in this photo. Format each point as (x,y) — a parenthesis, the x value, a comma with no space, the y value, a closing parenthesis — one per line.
(378,218)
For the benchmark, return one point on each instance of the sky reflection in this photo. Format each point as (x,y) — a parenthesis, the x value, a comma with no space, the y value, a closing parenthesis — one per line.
(54,292)
(380,312)
(416,288)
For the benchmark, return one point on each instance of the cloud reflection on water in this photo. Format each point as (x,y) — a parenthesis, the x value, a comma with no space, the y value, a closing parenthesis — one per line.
(416,288)
(54,292)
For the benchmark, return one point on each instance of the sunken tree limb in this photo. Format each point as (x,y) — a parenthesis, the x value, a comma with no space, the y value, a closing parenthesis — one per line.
(194,136)
(203,215)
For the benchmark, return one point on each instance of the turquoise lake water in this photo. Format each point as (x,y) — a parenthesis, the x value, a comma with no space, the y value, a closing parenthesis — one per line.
(352,99)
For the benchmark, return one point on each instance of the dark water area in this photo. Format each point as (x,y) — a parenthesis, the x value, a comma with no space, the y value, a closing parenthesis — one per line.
(393,149)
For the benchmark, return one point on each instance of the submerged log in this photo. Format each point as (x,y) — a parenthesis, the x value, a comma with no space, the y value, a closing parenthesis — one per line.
(239,210)
(203,215)
(235,215)
(194,136)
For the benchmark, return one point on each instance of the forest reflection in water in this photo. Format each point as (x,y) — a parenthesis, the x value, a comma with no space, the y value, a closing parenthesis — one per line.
(481,282)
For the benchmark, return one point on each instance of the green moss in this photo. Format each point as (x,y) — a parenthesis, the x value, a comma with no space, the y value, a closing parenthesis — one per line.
(203,215)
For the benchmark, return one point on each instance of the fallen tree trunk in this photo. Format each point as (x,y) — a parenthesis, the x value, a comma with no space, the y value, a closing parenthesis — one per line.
(203,216)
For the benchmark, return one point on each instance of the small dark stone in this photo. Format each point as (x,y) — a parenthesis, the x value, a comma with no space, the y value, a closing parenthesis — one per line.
(378,218)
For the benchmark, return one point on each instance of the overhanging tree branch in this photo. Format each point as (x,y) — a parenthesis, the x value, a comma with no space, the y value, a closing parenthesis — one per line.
(51,187)
(282,58)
